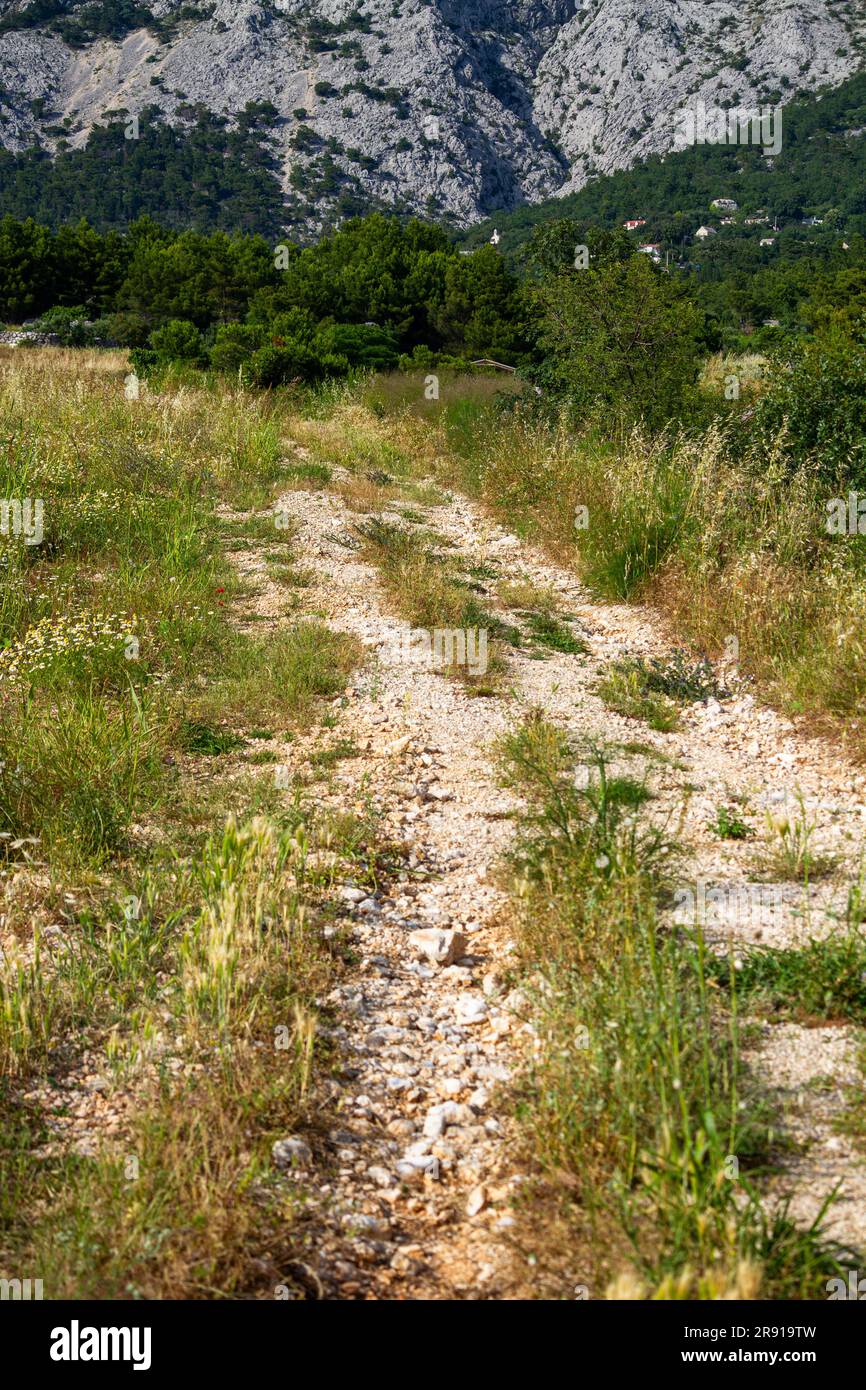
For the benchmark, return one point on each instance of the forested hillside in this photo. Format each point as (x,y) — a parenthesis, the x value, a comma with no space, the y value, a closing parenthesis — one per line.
(821,169)
(445,110)
(200,175)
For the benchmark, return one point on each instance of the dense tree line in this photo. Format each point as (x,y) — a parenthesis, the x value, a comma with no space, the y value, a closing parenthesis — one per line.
(373,291)
(205,173)
(210,173)
(607,335)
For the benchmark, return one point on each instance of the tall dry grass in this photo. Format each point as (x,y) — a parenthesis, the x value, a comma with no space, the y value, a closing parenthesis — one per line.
(732,548)
(191,934)
(648,1134)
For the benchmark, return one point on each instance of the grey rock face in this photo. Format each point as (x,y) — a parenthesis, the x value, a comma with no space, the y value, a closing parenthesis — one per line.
(456,107)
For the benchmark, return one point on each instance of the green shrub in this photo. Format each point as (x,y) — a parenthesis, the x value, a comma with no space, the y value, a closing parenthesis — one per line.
(362,344)
(818,395)
(69,324)
(143,361)
(619,338)
(234,345)
(179,341)
(291,361)
(126,328)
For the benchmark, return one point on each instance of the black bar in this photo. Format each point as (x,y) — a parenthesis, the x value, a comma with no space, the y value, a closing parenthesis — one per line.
(264,1339)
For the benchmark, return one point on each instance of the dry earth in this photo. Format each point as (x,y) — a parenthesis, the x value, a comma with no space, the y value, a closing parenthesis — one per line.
(414,1185)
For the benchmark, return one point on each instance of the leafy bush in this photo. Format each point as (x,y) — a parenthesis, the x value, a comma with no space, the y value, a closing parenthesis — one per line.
(179,341)
(70,325)
(143,361)
(291,361)
(619,338)
(74,329)
(126,328)
(293,323)
(234,345)
(818,395)
(289,348)
(362,344)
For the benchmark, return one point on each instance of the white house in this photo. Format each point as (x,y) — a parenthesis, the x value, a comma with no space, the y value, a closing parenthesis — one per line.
(704,232)
(768,241)
(633,223)
(724,205)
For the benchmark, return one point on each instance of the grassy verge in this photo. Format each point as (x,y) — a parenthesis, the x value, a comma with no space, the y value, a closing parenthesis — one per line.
(823,982)
(716,539)
(164,914)
(719,545)
(648,1133)
(428,591)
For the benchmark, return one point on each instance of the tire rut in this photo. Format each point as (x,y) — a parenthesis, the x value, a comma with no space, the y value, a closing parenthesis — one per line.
(418,1198)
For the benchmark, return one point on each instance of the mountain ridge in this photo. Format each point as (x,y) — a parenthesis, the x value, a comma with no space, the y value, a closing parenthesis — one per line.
(441,109)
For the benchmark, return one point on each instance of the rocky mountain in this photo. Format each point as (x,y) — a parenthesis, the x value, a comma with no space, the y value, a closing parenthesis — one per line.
(447,107)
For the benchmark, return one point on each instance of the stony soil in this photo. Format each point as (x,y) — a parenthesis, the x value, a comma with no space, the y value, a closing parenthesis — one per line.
(412,1188)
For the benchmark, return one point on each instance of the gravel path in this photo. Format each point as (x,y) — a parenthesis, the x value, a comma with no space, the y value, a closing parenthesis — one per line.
(415,1199)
